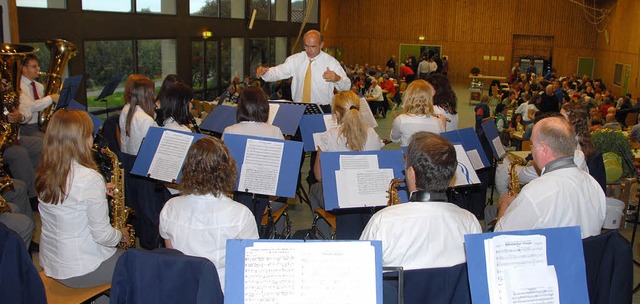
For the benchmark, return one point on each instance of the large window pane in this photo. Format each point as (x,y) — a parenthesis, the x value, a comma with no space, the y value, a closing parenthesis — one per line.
(299,8)
(42,3)
(269,9)
(262,8)
(204,69)
(108,6)
(103,60)
(156,59)
(167,7)
(217,8)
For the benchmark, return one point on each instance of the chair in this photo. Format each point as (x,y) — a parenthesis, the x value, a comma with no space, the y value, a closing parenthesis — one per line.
(429,285)
(609,264)
(596,169)
(59,293)
(207,107)
(275,222)
(328,218)
(631,119)
(526,145)
(164,276)
(19,282)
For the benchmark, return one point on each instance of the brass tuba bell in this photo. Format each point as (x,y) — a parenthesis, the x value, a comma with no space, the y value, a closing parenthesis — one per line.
(61,51)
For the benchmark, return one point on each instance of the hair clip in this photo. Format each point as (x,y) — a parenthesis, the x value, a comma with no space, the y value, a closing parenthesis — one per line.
(353,107)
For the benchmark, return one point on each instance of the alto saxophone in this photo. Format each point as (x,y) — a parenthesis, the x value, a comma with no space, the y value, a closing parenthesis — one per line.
(514,180)
(5,183)
(394,199)
(119,212)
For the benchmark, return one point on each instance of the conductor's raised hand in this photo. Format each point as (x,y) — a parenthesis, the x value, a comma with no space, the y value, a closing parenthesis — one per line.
(261,71)
(330,76)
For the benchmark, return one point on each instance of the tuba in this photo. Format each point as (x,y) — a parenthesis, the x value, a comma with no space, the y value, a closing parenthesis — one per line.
(61,51)
(11,58)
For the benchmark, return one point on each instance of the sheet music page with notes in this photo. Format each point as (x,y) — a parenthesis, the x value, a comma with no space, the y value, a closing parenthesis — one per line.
(172,150)
(261,166)
(311,272)
(360,182)
(505,252)
(465,174)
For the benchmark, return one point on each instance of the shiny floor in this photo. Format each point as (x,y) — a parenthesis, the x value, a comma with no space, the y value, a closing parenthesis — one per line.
(301,215)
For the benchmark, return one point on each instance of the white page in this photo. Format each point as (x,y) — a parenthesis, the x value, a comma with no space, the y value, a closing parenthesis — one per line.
(329,122)
(363,188)
(314,272)
(509,251)
(499,148)
(465,174)
(367,114)
(475,159)
(360,162)
(273,110)
(261,166)
(528,285)
(169,157)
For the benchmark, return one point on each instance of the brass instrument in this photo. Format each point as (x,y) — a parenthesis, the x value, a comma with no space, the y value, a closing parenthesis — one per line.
(514,180)
(119,212)
(11,59)
(61,51)
(394,199)
(5,183)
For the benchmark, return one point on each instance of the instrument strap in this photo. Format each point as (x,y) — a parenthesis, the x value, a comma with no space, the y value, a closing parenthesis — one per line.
(428,196)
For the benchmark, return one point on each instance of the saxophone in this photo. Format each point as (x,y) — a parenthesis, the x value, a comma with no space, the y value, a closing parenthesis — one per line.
(61,51)
(394,199)
(5,183)
(514,180)
(119,212)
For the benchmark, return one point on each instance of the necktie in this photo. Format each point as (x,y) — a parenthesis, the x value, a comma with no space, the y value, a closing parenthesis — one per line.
(306,89)
(35,91)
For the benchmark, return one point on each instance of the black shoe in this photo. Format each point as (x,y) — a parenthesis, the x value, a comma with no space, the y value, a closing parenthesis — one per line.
(34,247)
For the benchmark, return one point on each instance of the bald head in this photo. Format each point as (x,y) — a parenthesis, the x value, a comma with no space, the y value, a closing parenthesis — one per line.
(552,138)
(549,89)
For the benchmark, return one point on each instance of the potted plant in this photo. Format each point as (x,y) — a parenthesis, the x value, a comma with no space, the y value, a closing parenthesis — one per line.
(615,142)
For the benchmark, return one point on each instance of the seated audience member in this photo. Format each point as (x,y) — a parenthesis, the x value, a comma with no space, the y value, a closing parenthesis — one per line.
(563,195)
(203,218)
(175,108)
(374,96)
(77,245)
(612,123)
(428,231)
(418,115)
(230,95)
(634,135)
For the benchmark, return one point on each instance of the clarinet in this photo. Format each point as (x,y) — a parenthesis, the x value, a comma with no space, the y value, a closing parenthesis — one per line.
(194,125)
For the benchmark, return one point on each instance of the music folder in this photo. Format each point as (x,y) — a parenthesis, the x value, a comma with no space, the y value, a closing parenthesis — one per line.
(295,271)
(265,165)
(287,117)
(361,172)
(97,121)
(491,132)
(69,90)
(162,154)
(318,123)
(469,140)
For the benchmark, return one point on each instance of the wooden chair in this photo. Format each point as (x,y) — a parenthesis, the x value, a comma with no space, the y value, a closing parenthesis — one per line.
(58,293)
(207,107)
(526,145)
(327,217)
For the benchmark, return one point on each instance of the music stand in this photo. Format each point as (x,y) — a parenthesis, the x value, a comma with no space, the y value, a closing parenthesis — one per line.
(68,92)
(108,90)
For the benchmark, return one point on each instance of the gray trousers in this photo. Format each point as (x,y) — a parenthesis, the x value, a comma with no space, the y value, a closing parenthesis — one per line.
(101,275)
(22,160)
(19,223)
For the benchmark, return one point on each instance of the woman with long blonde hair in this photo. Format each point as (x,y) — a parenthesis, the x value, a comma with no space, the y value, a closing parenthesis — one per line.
(138,114)
(418,113)
(77,245)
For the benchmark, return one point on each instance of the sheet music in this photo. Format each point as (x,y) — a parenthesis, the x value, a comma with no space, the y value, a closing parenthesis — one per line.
(360,162)
(475,159)
(498,145)
(363,188)
(528,285)
(273,110)
(504,252)
(465,174)
(367,114)
(329,122)
(261,166)
(172,150)
(314,272)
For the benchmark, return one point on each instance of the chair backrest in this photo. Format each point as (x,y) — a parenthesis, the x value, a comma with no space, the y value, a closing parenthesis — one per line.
(631,119)
(111,132)
(437,285)
(596,169)
(164,276)
(609,264)
(19,279)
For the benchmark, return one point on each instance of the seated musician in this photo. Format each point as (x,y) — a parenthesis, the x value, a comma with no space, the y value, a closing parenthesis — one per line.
(77,245)
(428,231)
(137,114)
(175,107)
(32,95)
(200,221)
(564,194)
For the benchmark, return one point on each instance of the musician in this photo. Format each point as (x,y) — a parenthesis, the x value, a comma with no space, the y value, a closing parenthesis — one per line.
(18,216)
(350,134)
(418,113)
(175,107)
(200,221)
(428,231)
(138,114)
(564,195)
(33,95)
(168,81)
(77,245)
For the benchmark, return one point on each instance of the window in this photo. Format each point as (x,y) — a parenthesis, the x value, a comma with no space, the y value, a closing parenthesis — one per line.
(217,8)
(107,6)
(269,9)
(266,51)
(214,65)
(300,7)
(167,7)
(617,74)
(42,3)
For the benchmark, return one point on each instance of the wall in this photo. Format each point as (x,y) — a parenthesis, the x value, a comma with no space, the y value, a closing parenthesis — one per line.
(623,46)
(371,31)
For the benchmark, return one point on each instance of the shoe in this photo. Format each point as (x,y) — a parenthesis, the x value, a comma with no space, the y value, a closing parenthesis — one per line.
(34,247)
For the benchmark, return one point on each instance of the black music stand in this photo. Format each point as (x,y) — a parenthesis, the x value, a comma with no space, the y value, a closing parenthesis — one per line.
(68,92)
(108,90)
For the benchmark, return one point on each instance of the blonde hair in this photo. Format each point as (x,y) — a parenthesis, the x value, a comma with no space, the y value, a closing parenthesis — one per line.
(345,109)
(67,139)
(418,98)
(141,93)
